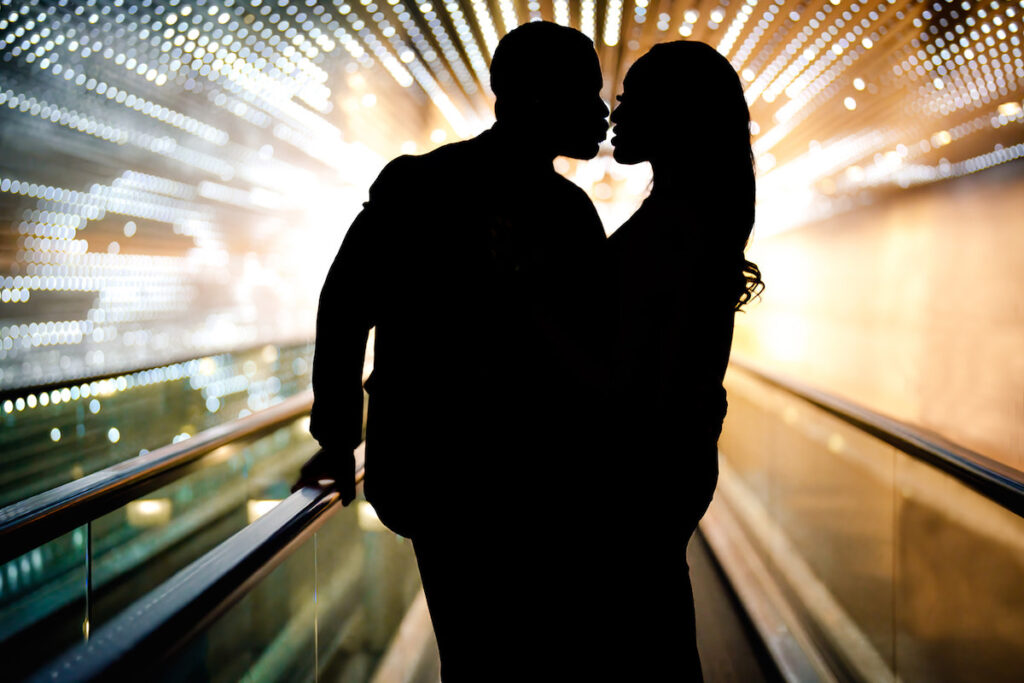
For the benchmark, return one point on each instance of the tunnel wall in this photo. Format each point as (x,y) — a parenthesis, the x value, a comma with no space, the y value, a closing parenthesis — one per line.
(910,307)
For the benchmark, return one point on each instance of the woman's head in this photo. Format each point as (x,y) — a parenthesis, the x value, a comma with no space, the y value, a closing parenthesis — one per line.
(682,108)
(679,100)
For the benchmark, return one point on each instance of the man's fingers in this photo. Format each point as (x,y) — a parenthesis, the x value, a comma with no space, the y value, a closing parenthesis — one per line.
(348,494)
(320,480)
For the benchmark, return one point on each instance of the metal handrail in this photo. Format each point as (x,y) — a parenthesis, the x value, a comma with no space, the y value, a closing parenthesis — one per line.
(162,621)
(33,521)
(994,480)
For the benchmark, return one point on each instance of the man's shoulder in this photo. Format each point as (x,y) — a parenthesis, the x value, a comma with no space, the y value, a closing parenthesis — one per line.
(571,190)
(396,171)
(580,204)
(441,166)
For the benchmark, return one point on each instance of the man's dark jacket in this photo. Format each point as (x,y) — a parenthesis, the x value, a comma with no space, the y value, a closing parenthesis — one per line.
(478,272)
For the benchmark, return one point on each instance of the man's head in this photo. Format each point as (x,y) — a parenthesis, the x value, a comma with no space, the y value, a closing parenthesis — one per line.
(547,81)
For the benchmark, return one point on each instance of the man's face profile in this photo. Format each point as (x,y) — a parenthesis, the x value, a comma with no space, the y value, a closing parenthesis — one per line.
(573,110)
(547,79)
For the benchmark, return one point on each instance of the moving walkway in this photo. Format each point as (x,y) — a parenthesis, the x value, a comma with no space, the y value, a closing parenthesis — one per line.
(254,583)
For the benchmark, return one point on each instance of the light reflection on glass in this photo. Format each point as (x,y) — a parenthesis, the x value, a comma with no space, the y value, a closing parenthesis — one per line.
(149,512)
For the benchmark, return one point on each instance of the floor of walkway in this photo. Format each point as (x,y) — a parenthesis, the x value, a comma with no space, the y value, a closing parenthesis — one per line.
(730,649)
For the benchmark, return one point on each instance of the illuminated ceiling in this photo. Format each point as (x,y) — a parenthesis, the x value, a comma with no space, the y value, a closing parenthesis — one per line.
(868,76)
(175,176)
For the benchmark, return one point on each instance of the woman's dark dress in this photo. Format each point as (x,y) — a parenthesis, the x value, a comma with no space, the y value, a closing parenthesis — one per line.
(676,293)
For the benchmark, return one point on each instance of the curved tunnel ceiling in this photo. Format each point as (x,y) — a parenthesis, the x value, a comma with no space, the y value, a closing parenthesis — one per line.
(175,176)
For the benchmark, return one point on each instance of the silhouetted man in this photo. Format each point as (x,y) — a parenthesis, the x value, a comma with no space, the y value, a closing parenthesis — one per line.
(472,261)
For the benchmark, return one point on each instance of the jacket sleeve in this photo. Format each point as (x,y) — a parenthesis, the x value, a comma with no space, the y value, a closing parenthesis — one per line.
(345,315)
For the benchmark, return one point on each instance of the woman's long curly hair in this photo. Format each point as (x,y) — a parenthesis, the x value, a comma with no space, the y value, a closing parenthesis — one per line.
(700,85)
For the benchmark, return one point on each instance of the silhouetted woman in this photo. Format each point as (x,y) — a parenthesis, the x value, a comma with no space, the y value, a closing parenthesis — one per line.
(681,275)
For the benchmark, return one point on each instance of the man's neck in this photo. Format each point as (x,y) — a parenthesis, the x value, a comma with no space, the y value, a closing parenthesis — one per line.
(520,149)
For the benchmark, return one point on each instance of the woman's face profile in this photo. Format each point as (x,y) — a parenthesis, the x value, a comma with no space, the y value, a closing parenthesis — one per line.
(628,130)
(640,122)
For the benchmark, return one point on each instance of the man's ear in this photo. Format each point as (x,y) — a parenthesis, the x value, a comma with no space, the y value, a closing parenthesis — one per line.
(538,104)
(509,110)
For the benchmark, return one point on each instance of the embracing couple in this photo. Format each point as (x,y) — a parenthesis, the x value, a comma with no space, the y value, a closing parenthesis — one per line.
(545,402)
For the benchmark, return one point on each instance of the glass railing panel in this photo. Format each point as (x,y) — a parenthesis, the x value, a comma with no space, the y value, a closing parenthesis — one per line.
(834,501)
(747,433)
(270,635)
(43,603)
(904,571)
(141,544)
(328,612)
(831,497)
(367,580)
(960,581)
(51,437)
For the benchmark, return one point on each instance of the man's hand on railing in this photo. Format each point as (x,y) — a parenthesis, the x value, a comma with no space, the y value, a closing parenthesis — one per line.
(329,465)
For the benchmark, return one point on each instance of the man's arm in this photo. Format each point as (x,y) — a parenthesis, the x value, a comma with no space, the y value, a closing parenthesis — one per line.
(345,315)
(342,324)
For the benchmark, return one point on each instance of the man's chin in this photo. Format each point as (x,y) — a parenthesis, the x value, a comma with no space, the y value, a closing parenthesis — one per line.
(583,152)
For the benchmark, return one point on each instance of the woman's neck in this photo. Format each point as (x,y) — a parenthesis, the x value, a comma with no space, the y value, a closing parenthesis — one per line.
(671,178)
(698,174)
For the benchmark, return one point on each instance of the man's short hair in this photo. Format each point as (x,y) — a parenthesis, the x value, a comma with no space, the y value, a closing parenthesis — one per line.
(535,57)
